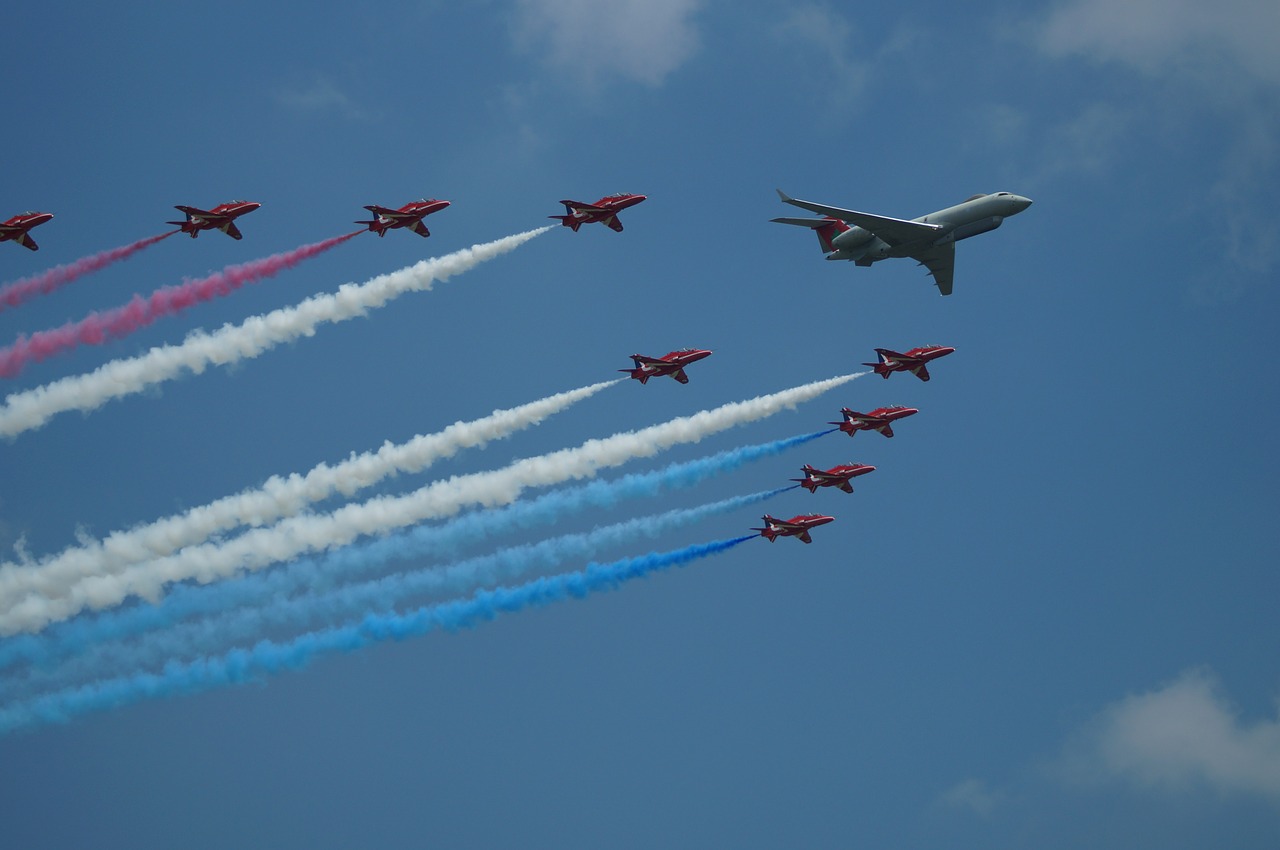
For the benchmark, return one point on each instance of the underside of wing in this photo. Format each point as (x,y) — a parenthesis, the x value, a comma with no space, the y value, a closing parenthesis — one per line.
(26,241)
(614,224)
(804,537)
(419,228)
(940,260)
(231,230)
(680,376)
(895,231)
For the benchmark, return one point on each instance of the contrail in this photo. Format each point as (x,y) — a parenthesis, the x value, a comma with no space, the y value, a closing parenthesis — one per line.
(98,328)
(268,657)
(40,284)
(247,622)
(258,548)
(277,497)
(233,343)
(437,541)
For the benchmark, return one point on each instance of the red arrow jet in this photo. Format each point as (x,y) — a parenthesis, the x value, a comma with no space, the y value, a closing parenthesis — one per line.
(876,420)
(222,217)
(913,361)
(672,364)
(836,476)
(606,209)
(797,526)
(410,215)
(15,229)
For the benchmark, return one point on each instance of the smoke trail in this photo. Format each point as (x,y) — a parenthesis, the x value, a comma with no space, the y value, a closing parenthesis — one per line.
(439,541)
(233,343)
(245,623)
(55,278)
(269,657)
(295,536)
(98,328)
(277,497)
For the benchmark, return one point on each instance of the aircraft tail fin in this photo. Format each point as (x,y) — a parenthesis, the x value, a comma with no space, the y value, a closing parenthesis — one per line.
(827,228)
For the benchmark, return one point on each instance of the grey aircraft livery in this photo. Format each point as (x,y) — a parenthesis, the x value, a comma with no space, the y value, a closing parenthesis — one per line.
(930,239)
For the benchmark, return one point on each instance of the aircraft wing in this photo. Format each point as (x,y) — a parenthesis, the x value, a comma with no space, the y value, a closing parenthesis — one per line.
(419,228)
(26,241)
(680,376)
(379,210)
(614,224)
(804,537)
(940,260)
(578,205)
(649,361)
(231,230)
(895,231)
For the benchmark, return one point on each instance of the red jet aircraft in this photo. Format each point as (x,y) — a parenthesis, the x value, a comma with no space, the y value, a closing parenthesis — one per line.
(836,476)
(410,215)
(222,217)
(606,209)
(15,229)
(672,364)
(876,420)
(913,361)
(797,526)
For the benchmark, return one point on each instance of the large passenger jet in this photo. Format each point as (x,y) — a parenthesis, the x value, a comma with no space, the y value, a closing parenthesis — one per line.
(930,240)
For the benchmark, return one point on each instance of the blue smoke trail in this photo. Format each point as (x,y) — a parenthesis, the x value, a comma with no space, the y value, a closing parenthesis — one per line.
(74,636)
(270,657)
(386,593)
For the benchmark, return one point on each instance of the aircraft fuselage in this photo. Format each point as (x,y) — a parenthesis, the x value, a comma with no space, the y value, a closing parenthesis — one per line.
(977,215)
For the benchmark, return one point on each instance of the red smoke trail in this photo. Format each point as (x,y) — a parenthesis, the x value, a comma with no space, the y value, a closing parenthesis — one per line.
(97,328)
(46,282)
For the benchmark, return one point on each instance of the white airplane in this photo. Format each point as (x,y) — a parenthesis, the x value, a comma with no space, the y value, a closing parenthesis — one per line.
(930,240)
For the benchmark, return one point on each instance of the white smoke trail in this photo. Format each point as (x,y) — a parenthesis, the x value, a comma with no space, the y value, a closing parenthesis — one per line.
(31,409)
(262,547)
(277,497)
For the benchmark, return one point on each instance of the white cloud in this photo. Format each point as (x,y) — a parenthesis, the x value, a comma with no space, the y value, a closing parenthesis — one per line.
(1158,36)
(320,96)
(644,40)
(974,795)
(1183,735)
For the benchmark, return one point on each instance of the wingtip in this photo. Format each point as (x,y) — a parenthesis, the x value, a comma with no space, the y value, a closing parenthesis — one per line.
(784,196)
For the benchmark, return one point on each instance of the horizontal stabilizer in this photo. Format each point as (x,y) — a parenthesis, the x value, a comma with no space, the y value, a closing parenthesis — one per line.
(803,222)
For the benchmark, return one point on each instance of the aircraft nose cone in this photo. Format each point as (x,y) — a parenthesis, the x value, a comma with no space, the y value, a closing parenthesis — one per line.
(1023,203)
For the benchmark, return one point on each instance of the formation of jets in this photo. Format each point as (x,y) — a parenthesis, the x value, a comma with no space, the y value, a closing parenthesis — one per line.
(671,363)
(863,238)
(15,229)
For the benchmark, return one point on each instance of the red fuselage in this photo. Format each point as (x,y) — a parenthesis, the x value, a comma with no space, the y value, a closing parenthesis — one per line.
(912,361)
(836,476)
(876,420)
(671,363)
(797,526)
(222,217)
(606,210)
(15,229)
(408,216)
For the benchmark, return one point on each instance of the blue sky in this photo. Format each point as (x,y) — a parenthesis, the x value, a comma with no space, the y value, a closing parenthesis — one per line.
(1047,618)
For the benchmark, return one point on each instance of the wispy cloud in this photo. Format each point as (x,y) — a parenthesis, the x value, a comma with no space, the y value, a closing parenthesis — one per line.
(1183,735)
(641,40)
(1159,36)
(320,96)
(973,795)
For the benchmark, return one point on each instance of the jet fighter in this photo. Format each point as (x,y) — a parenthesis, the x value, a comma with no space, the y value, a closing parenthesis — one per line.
(930,240)
(797,526)
(876,420)
(222,217)
(913,361)
(672,364)
(606,209)
(836,476)
(410,215)
(15,229)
